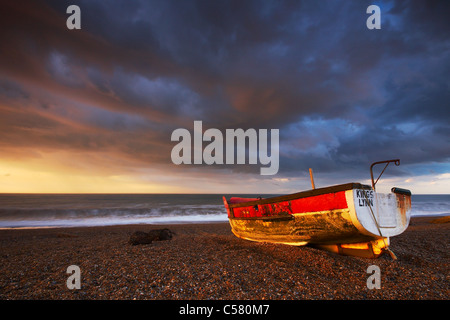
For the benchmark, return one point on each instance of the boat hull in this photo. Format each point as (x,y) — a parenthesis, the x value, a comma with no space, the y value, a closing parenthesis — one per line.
(300,229)
(333,218)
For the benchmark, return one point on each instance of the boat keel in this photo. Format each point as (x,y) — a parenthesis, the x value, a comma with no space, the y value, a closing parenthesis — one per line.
(371,249)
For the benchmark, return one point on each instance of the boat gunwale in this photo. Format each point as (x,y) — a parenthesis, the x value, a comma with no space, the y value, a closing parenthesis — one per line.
(302,194)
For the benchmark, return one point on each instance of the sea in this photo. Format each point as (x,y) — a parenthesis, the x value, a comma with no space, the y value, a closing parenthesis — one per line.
(82,210)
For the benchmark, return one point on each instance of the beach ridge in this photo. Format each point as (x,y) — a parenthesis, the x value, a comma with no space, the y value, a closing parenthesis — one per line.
(206,261)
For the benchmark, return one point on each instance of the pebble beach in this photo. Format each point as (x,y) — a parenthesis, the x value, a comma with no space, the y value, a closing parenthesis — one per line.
(206,261)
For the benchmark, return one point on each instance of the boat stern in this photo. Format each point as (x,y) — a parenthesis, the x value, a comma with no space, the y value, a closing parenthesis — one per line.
(380,214)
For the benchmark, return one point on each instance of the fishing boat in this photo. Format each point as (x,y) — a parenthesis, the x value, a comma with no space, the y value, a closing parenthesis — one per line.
(350,219)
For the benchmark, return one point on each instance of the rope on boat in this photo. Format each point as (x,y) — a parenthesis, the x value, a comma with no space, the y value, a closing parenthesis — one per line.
(392,254)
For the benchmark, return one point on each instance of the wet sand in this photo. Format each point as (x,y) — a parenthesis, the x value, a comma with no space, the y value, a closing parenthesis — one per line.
(206,261)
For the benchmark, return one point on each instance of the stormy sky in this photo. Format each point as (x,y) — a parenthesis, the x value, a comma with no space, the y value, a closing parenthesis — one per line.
(93,110)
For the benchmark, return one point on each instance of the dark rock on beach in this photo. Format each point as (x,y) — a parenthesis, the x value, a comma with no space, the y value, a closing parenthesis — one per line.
(140,237)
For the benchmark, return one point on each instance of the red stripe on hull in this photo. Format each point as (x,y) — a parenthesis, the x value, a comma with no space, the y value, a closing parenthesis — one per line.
(323,202)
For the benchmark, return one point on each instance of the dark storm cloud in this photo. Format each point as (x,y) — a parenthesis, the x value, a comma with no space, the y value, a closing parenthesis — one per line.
(341,95)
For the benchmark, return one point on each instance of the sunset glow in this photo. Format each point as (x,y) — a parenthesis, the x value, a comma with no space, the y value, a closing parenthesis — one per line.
(93,110)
